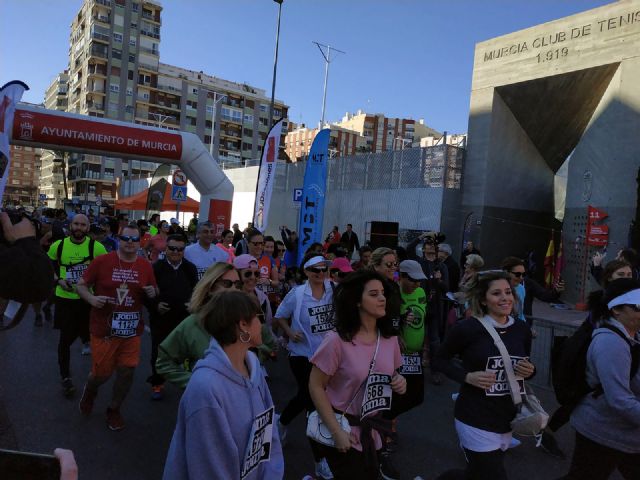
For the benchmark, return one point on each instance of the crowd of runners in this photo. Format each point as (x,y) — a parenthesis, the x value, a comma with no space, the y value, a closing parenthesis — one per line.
(363,329)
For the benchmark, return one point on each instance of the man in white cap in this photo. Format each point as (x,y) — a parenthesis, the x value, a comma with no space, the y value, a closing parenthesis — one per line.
(175,228)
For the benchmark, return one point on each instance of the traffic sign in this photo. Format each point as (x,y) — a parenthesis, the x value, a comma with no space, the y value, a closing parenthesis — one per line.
(179,178)
(297,194)
(178,193)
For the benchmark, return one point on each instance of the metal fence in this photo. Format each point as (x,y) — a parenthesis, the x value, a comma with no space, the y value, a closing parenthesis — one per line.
(546,331)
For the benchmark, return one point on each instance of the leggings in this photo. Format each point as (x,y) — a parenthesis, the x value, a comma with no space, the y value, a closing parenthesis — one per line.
(596,462)
(485,465)
(72,318)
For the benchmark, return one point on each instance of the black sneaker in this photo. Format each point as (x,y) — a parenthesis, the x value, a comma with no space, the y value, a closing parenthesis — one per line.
(48,317)
(549,445)
(38,321)
(67,388)
(388,470)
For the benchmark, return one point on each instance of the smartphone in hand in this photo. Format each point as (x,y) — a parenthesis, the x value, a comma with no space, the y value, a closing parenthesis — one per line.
(28,466)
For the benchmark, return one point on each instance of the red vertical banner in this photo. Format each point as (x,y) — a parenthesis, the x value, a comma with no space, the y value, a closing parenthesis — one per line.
(220,214)
(597,235)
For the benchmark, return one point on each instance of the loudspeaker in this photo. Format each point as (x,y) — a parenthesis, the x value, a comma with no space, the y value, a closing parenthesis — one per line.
(384,234)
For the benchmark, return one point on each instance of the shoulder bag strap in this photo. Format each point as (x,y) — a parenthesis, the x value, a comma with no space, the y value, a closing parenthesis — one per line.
(506,359)
(371,367)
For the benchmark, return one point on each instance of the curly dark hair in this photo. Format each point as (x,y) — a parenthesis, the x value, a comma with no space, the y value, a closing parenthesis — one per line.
(347,297)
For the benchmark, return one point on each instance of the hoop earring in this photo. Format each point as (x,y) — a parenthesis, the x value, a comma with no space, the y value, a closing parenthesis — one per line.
(245,339)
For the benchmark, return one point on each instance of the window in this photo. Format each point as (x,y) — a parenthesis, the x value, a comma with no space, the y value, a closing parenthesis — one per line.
(130,74)
(135,7)
(114,88)
(145,95)
(247,132)
(117,37)
(194,91)
(248,118)
(134,25)
(129,91)
(132,57)
(115,71)
(132,42)
(263,108)
(210,109)
(116,53)
(246,146)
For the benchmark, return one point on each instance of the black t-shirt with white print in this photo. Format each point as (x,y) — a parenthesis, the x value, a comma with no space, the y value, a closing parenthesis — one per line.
(490,409)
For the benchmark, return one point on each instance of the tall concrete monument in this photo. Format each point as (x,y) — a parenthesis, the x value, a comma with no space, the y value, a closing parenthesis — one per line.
(566,88)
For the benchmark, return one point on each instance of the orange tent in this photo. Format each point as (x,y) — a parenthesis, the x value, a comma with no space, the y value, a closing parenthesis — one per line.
(139,202)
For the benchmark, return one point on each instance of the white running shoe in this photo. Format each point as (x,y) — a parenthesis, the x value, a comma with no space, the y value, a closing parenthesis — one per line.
(514,442)
(323,470)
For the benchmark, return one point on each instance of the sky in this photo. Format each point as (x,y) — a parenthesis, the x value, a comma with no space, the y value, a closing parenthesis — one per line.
(404,58)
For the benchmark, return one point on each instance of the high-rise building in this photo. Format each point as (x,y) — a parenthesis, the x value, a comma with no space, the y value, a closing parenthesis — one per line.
(52,172)
(383,133)
(115,72)
(342,142)
(24,174)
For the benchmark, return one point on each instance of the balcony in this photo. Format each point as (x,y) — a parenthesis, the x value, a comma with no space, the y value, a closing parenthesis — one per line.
(229,118)
(146,66)
(152,51)
(150,34)
(106,3)
(95,105)
(102,18)
(97,70)
(101,36)
(99,51)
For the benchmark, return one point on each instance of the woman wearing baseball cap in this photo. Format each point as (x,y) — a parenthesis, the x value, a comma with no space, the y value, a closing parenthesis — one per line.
(607,421)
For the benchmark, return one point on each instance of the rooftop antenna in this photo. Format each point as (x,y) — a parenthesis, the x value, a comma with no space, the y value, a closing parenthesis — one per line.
(327,61)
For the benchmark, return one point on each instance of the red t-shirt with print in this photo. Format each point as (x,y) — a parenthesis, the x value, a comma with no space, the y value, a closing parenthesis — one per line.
(122,282)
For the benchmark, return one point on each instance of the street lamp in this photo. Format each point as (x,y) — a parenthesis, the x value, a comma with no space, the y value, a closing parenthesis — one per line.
(213,119)
(275,64)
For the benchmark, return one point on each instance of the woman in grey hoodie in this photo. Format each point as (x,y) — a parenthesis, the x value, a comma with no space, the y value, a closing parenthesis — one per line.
(225,427)
(607,420)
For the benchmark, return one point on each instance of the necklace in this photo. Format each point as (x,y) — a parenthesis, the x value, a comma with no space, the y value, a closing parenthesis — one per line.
(123,289)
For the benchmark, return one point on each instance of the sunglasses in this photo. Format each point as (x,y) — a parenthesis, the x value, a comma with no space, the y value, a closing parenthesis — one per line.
(128,238)
(257,244)
(316,269)
(249,274)
(635,308)
(224,283)
(340,273)
(391,264)
(518,274)
(175,249)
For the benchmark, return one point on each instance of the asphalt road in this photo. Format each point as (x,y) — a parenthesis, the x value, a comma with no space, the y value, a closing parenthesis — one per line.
(34,416)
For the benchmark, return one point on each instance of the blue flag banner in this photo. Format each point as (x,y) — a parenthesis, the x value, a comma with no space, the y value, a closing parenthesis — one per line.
(313,193)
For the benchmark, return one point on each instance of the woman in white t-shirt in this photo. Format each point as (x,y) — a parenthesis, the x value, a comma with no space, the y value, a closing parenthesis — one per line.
(306,315)
(354,371)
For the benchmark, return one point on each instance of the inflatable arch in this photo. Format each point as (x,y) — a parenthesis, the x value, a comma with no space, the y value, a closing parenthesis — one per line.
(42,128)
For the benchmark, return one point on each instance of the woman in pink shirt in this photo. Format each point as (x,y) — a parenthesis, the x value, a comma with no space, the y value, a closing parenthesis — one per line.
(354,371)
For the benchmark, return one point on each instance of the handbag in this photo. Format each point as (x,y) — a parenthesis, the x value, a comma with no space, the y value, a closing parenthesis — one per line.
(530,418)
(318,431)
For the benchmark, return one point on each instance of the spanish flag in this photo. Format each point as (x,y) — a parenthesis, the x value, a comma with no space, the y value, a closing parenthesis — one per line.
(549,264)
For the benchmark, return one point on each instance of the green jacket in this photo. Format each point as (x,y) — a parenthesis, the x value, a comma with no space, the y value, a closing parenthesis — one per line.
(186,344)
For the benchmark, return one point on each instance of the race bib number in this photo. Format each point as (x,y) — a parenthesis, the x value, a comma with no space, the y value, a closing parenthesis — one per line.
(411,364)
(124,324)
(321,318)
(75,273)
(259,447)
(377,394)
(201,272)
(501,387)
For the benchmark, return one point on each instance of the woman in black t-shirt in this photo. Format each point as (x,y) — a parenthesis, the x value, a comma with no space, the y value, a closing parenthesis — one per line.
(484,409)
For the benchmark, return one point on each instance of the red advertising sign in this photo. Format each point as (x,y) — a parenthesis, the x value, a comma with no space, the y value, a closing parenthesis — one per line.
(220,214)
(597,235)
(48,129)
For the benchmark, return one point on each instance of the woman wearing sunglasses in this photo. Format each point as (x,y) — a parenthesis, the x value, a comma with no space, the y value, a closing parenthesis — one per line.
(306,316)
(607,421)
(186,344)
(249,272)
(340,268)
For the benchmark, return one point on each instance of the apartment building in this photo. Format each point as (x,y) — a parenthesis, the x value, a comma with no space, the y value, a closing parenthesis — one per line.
(52,172)
(342,142)
(382,133)
(115,72)
(24,175)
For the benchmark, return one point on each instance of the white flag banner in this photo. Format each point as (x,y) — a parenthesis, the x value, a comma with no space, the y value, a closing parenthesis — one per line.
(266,177)
(10,95)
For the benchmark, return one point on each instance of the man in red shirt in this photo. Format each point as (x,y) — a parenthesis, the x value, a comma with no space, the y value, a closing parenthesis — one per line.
(120,282)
